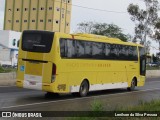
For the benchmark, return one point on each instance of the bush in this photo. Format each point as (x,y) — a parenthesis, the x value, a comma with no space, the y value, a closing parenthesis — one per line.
(6,70)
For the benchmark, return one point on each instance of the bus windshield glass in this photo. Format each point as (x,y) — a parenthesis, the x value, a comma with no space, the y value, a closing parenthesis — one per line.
(37,41)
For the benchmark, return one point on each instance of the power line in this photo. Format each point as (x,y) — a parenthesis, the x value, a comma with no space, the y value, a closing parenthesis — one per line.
(95,9)
(99,9)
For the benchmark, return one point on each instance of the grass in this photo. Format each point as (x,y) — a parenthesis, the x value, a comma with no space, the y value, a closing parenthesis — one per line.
(97,108)
(6,70)
(152,68)
(154,105)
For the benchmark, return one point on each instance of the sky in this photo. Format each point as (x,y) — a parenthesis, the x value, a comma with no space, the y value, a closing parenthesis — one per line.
(119,17)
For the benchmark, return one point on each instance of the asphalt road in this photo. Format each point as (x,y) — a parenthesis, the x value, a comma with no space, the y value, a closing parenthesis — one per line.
(17,99)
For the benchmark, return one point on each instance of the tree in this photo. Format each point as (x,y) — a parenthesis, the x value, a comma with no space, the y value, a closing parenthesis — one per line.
(86,27)
(144,19)
(148,44)
(156,34)
(155,58)
(109,30)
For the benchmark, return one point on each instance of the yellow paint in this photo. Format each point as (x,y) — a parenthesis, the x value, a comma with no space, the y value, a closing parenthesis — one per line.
(33,68)
(17,15)
(33,15)
(68,16)
(71,72)
(48,15)
(56,18)
(9,15)
(25,14)
(63,16)
(41,15)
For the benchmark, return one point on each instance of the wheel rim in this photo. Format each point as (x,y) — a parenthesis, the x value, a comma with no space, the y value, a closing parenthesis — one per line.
(133,84)
(84,89)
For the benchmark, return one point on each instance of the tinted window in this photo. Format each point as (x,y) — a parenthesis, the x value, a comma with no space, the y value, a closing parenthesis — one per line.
(97,50)
(88,49)
(122,52)
(80,49)
(107,51)
(130,52)
(133,53)
(63,48)
(71,49)
(114,51)
(37,41)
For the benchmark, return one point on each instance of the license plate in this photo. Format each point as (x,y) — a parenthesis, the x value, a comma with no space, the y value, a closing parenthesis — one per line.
(32,83)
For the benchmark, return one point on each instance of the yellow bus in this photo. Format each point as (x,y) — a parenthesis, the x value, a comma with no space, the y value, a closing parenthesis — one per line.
(78,63)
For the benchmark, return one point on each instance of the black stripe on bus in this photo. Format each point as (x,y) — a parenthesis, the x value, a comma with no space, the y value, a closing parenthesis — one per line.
(36,61)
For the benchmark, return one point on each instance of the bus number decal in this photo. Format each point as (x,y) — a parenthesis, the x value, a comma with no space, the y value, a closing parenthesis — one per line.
(61,87)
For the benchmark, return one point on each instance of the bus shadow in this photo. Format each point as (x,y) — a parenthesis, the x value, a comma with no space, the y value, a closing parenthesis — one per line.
(54,97)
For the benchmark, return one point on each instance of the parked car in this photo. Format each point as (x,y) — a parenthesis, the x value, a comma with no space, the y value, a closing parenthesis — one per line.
(6,66)
(154,64)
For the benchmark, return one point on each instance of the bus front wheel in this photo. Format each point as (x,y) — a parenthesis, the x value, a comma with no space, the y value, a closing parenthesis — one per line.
(84,89)
(133,85)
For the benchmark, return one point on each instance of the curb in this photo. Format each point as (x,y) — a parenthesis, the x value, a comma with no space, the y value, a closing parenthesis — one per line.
(11,82)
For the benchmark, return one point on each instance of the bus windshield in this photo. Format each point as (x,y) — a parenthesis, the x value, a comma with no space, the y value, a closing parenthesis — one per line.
(37,41)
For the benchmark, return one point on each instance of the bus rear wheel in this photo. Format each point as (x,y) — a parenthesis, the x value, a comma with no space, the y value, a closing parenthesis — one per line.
(84,89)
(133,85)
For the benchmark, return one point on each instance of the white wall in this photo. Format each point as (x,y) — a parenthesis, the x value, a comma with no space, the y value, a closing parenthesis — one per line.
(9,54)
(14,57)
(14,36)
(5,57)
(7,37)
(4,37)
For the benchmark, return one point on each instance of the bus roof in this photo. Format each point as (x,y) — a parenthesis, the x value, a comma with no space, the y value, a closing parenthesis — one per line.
(101,38)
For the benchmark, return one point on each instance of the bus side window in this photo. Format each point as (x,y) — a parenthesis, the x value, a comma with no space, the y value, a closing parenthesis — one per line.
(126,52)
(71,49)
(135,54)
(97,50)
(130,52)
(121,52)
(107,51)
(88,50)
(62,48)
(80,47)
(114,51)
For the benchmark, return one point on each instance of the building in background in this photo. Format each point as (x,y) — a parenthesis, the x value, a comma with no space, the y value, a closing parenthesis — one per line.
(51,15)
(9,44)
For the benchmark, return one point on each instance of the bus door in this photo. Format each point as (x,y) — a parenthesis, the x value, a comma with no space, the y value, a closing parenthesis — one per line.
(142,61)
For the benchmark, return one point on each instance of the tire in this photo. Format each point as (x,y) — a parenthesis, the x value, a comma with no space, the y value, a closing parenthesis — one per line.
(133,85)
(84,89)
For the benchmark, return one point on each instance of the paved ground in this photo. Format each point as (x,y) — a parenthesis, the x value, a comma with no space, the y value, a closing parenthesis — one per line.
(17,99)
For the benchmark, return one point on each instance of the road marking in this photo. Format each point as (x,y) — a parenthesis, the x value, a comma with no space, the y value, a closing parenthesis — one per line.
(78,98)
